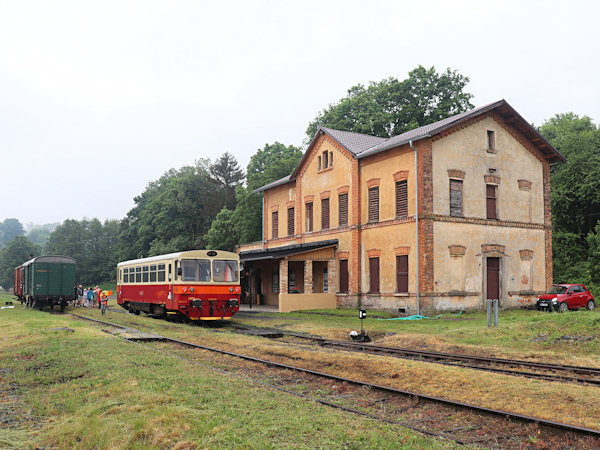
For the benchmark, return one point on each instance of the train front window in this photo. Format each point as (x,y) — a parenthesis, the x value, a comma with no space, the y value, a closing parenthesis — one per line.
(225,270)
(195,270)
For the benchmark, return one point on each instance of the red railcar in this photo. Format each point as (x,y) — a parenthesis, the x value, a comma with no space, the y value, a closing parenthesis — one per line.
(18,289)
(198,284)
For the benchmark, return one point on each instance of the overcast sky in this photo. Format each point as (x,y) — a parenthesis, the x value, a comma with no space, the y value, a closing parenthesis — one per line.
(97,99)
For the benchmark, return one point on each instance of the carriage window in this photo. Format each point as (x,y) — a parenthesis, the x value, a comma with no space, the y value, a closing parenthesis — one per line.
(131,276)
(161,272)
(195,270)
(225,270)
(153,273)
(145,274)
(138,274)
(125,275)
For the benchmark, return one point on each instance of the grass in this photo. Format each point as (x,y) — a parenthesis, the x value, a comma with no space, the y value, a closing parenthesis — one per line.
(87,389)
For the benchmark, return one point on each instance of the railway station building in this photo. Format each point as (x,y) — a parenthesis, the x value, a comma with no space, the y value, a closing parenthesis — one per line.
(441,217)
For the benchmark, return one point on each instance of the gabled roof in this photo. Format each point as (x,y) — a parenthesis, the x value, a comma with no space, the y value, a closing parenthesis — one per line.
(363,145)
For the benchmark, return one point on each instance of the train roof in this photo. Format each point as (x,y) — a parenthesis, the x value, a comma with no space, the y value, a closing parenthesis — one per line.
(188,253)
(51,259)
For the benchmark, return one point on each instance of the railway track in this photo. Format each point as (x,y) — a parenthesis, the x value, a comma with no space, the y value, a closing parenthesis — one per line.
(529,369)
(574,435)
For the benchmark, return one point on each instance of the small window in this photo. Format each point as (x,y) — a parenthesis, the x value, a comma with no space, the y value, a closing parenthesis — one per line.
(145,273)
(325,160)
(456,201)
(324,213)
(161,272)
(343,209)
(330,159)
(491,206)
(491,141)
(319,163)
(125,275)
(309,216)
(138,274)
(374,204)
(290,221)
(274,225)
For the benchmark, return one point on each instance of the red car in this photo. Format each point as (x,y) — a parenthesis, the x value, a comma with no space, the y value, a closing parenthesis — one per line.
(562,297)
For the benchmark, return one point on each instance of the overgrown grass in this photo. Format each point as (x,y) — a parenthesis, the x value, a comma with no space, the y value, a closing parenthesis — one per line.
(87,389)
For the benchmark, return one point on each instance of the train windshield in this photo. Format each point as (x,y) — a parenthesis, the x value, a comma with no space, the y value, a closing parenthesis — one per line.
(195,269)
(225,270)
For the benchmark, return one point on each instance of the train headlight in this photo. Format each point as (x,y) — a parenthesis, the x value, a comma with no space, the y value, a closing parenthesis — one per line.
(233,303)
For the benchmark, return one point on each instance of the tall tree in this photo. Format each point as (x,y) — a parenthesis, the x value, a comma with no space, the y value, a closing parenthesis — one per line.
(228,175)
(10,229)
(575,197)
(391,107)
(15,253)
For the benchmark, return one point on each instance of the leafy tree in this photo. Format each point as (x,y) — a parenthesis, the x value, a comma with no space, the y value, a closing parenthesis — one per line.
(38,236)
(173,213)
(575,197)
(228,175)
(391,107)
(9,229)
(222,233)
(268,164)
(15,253)
(93,244)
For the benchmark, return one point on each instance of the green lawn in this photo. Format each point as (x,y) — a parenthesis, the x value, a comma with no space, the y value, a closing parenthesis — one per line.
(80,387)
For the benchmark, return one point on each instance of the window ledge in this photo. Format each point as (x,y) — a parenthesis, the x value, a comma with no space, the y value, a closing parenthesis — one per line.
(325,169)
(401,294)
(492,151)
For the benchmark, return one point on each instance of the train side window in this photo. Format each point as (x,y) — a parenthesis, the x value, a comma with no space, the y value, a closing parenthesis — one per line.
(153,273)
(125,275)
(138,274)
(145,274)
(161,272)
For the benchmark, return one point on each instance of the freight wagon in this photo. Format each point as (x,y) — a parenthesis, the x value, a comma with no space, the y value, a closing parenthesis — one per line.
(46,281)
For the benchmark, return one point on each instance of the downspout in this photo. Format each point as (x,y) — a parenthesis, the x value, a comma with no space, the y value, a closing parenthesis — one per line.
(263,222)
(410,143)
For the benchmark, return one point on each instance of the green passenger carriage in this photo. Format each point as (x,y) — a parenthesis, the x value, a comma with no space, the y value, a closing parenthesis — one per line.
(46,280)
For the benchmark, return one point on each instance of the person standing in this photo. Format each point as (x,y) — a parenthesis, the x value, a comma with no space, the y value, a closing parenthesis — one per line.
(97,295)
(104,301)
(90,297)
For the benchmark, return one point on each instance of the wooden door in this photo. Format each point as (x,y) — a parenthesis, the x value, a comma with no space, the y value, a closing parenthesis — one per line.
(493,278)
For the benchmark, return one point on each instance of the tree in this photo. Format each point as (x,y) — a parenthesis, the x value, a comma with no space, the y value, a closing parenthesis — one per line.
(575,198)
(15,253)
(222,234)
(9,229)
(391,107)
(174,212)
(228,175)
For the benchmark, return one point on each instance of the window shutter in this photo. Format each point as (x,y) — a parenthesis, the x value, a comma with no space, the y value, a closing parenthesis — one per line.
(490,193)
(374,204)
(324,213)
(344,275)
(275,225)
(402,273)
(456,200)
(401,199)
(290,220)
(343,206)
(373,275)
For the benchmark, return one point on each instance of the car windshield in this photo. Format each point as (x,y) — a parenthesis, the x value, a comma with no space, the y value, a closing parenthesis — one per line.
(195,270)
(557,290)
(225,270)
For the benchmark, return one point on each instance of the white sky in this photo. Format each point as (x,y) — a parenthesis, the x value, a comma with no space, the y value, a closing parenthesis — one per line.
(97,99)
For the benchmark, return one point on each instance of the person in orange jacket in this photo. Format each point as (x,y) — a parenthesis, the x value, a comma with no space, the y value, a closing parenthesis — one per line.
(104,301)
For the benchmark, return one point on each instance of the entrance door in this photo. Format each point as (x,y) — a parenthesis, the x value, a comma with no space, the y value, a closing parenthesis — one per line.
(493,278)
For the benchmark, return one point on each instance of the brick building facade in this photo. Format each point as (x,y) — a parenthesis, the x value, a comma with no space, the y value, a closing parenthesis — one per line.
(343,228)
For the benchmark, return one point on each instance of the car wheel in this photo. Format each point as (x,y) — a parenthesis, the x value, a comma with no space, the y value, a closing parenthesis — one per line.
(563,307)
(590,305)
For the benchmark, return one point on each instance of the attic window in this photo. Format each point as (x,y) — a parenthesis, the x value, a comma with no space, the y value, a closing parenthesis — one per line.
(491,141)
(319,163)
(325,160)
